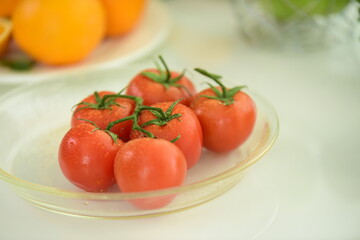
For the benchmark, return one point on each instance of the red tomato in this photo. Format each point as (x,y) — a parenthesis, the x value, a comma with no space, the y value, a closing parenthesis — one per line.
(103,113)
(153,92)
(187,126)
(86,157)
(157,85)
(147,164)
(224,127)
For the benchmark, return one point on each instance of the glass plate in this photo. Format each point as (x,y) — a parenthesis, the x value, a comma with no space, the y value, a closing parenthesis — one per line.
(35,117)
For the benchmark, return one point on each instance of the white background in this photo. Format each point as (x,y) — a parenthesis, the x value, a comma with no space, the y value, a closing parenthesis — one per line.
(307,187)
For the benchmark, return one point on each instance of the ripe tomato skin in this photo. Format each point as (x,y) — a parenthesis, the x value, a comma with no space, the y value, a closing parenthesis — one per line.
(147,164)
(102,117)
(187,126)
(225,127)
(86,157)
(153,92)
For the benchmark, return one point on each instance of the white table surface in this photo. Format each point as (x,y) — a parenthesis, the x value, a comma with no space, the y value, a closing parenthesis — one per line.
(306,187)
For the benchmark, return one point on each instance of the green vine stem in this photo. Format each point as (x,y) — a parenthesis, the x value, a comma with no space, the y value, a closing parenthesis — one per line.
(167,71)
(104,102)
(113,136)
(225,95)
(161,119)
(164,76)
(134,117)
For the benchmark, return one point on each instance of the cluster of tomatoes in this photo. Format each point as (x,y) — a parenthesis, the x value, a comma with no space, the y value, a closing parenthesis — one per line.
(149,137)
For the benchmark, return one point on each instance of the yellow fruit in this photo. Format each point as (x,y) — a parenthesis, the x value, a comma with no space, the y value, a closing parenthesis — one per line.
(5,33)
(7,7)
(58,32)
(122,15)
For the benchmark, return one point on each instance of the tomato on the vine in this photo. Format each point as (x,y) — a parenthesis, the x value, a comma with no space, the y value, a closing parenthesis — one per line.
(86,157)
(227,116)
(174,121)
(147,164)
(104,107)
(158,85)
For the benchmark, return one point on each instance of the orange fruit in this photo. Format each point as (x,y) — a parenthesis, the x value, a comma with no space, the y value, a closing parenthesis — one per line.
(7,7)
(58,32)
(122,15)
(5,32)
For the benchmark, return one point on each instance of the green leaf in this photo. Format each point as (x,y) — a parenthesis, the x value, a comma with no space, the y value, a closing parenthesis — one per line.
(104,102)
(171,108)
(176,79)
(150,122)
(164,75)
(175,139)
(112,124)
(153,76)
(212,97)
(97,97)
(206,73)
(83,103)
(231,92)
(19,64)
(113,136)
(118,105)
(226,95)
(167,71)
(175,116)
(87,105)
(89,121)
(122,90)
(215,90)
(156,113)
(147,133)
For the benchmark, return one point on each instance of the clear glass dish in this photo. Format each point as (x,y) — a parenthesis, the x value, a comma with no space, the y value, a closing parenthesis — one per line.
(296,25)
(35,117)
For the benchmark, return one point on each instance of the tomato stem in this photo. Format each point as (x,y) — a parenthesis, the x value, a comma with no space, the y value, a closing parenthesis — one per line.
(214,77)
(101,103)
(164,76)
(161,113)
(162,118)
(167,71)
(226,95)
(133,117)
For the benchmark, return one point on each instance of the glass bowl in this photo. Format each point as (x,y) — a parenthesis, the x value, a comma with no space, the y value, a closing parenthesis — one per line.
(35,117)
(296,24)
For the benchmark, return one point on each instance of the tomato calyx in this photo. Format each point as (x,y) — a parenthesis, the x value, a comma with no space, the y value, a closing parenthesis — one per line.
(104,102)
(162,118)
(164,76)
(134,117)
(225,95)
(113,136)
